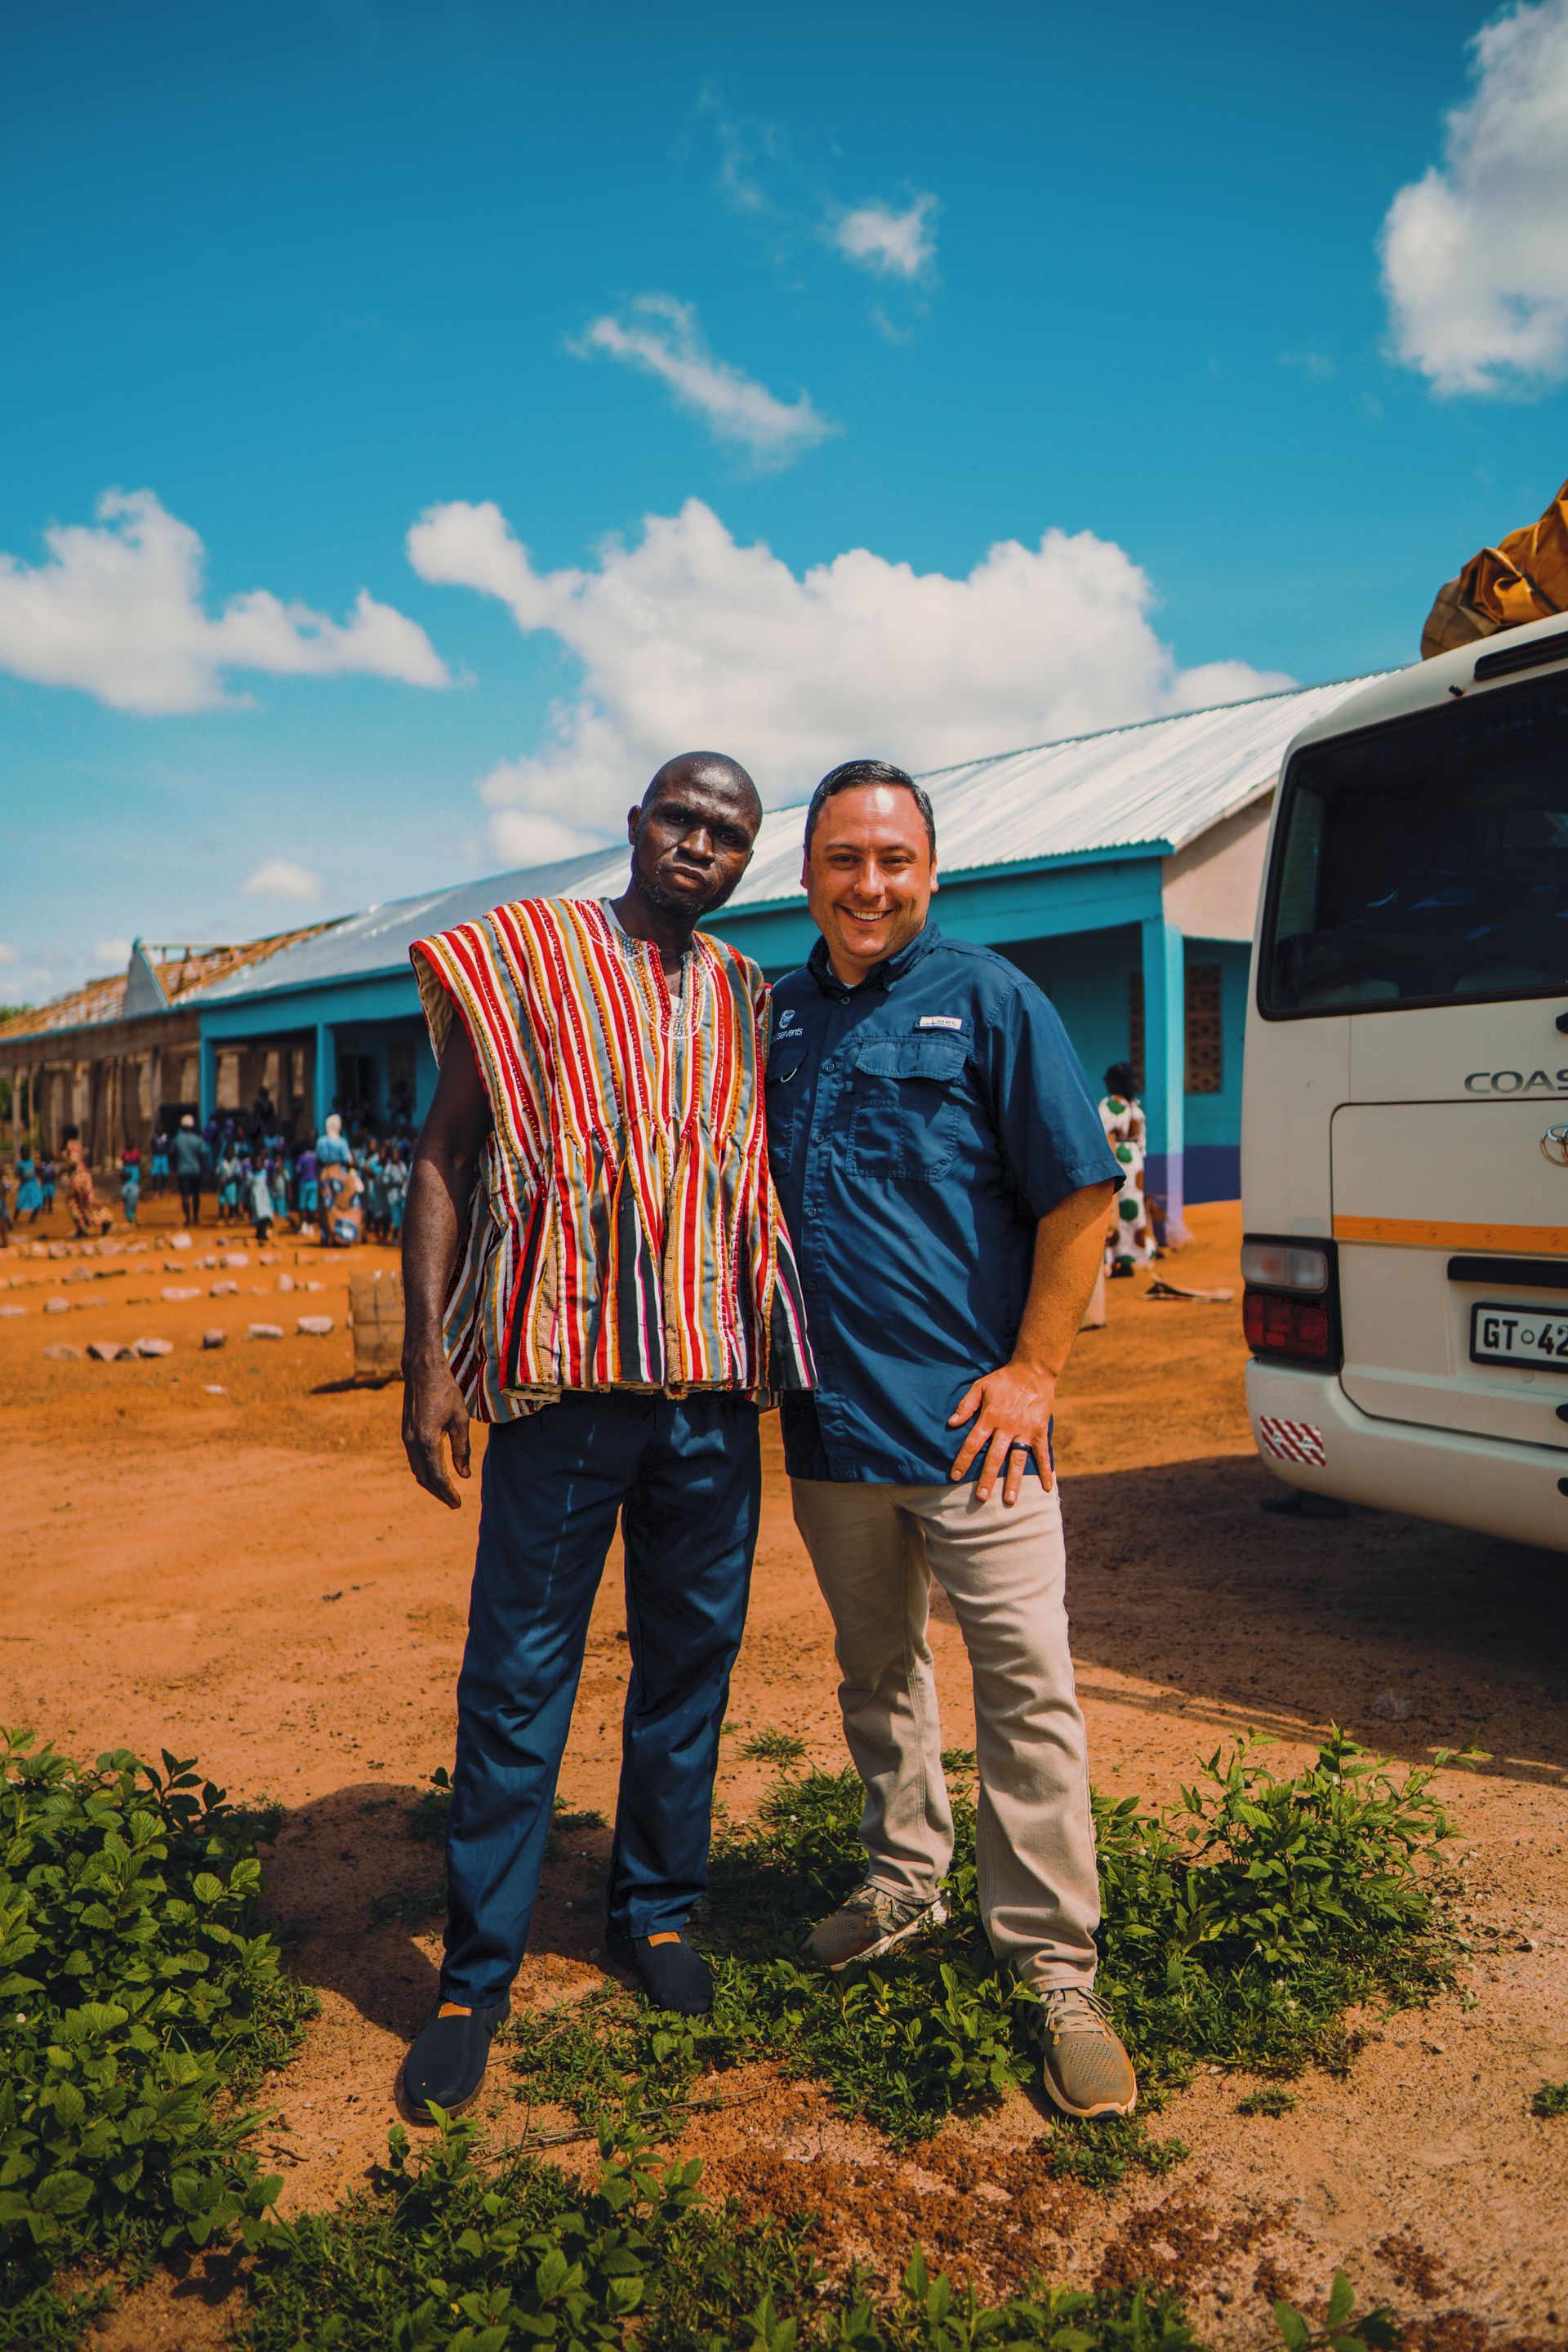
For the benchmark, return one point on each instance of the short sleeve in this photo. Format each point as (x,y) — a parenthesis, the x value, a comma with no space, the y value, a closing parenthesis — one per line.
(1048,1126)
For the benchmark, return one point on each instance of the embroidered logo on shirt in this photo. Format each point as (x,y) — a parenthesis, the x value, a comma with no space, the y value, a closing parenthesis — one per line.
(938,1021)
(787,1018)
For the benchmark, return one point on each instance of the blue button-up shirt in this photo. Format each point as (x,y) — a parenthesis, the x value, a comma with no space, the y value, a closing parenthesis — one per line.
(920,1126)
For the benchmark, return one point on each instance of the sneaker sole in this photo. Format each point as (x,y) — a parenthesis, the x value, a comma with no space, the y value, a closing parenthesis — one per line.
(935,1916)
(1096,2113)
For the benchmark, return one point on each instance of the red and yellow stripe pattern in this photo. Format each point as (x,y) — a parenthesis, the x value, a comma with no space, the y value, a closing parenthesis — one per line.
(625,1233)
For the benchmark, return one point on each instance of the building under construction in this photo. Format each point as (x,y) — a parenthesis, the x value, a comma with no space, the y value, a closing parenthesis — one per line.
(120,1057)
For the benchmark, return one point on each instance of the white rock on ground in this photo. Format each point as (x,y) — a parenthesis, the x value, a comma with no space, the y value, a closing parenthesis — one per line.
(265,1331)
(225,1289)
(57,1307)
(106,1352)
(13,1310)
(315,1327)
(236,1257)
(62,1354)
(215,1339)
(180,1241)
(152,1348)
(172,1291)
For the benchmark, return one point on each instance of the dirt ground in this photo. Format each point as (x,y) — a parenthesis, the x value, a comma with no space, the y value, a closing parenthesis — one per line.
(221,1553)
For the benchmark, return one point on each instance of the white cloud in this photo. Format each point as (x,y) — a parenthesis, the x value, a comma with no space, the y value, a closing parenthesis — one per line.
(1475,252)
(280,877)
(111,951)
(661,337)
(117,610)
(894,244)
(689,639)
(8,953)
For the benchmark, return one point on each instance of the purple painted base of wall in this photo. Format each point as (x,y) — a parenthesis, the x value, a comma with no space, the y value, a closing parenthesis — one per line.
(1163,1176)
(1213,1172)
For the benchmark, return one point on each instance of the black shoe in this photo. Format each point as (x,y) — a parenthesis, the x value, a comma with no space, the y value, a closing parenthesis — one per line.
(672,1972)
(447,2063)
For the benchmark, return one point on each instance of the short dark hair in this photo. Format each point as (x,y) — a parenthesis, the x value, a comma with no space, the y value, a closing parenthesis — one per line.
(853,774)
(1121,1078)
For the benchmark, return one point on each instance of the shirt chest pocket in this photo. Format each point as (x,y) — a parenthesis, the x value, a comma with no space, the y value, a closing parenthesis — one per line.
(904,1102)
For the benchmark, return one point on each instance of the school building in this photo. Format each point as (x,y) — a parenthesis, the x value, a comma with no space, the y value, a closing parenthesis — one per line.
(1120,870)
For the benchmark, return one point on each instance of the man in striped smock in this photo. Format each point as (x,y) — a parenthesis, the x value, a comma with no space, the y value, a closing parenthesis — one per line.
(594,1264)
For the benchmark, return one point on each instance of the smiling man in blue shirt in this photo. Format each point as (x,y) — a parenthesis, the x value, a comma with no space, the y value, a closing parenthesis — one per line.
(944,1174)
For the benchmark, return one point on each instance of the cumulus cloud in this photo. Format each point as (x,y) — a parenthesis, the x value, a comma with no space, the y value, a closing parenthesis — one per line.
(688,638)
(1475,252)
(894,244)
(116,610)
(661,337)
(280,877)
(110,951)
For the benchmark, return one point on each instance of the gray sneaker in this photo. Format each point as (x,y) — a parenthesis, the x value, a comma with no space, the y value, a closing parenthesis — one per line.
(1085,2070)
(869,1923)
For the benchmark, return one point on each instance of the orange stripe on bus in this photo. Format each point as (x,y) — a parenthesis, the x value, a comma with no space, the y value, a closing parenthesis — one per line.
(1422,1233)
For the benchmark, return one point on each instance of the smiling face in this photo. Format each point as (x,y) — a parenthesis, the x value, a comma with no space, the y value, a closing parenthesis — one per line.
(691,838)
(869,876)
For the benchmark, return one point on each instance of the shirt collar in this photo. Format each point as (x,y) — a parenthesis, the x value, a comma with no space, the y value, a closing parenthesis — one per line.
(881,975)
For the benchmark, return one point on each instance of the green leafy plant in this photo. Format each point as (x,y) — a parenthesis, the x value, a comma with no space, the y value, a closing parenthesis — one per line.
(1240,1923)
(453,2255)
(1550,2101)
(1375,2331)
(141,2003)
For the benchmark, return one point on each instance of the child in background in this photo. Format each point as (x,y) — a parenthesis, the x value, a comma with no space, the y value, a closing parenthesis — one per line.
(261,1193)
(130,1185)
(228,1185)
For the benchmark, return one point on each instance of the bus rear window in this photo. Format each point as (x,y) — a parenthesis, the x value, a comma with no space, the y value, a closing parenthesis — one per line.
(1425,862)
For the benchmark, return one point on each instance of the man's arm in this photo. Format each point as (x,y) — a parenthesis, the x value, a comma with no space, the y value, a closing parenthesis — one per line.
(1012,1405)
(440,1184)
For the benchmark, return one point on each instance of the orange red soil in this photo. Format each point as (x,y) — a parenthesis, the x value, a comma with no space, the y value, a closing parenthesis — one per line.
(221,1553)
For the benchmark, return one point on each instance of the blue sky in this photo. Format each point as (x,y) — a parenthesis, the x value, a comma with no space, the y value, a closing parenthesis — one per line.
(877,289)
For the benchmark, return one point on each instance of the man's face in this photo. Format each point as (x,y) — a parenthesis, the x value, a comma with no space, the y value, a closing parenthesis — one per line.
(869,876)
(691,842)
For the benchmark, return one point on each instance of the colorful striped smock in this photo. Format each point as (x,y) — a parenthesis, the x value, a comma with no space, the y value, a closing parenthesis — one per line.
(625,1233)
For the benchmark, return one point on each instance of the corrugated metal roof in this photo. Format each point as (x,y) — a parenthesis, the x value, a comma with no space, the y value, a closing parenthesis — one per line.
(166,977)
(379,939)
(1161,781)
(1158,783)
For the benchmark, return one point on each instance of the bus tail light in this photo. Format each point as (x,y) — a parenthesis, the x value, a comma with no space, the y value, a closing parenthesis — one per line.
(1291,1306)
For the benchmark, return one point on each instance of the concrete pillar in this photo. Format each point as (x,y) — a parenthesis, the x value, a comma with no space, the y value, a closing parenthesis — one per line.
(207,1089)
(1164,1067)
(326,1071)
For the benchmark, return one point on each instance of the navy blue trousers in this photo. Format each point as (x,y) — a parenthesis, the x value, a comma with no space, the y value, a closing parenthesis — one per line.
(685,1478)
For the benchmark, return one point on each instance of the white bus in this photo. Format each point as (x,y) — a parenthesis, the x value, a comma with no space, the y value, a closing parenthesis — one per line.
(1404,1124)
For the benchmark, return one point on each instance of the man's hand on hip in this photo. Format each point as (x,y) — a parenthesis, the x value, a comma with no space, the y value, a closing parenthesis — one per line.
(433,1409)
(1011,1408)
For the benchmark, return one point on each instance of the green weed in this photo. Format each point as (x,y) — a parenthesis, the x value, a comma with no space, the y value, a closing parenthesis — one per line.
(773,1748)
(1240,1924)
(449,2255)
(428,1814)
(1550,2101)
(1272,2100)
(1375,2331)
(141,2003)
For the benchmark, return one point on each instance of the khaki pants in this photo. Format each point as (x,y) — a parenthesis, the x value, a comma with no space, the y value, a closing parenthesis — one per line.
(875,1549)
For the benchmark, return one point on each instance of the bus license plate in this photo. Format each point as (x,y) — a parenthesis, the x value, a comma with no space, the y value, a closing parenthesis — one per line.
(1533,1335)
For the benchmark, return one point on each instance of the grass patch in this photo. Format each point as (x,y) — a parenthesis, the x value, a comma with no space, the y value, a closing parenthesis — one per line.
(782,1747)
(1272,2100)
(141,2004)
(1550,2102)
(1241,1923)
(453,2255)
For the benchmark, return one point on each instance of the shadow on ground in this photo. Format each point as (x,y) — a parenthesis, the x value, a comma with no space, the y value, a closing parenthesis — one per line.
(1413,1635)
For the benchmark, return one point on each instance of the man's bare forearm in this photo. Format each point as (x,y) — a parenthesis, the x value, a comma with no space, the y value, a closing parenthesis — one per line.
(439,1190)
(1069,1248)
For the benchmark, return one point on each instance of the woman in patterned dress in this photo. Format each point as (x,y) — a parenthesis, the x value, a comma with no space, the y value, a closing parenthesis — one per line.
(1130,1240)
